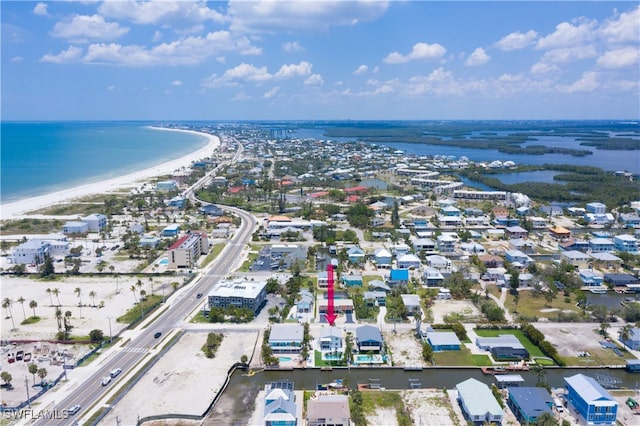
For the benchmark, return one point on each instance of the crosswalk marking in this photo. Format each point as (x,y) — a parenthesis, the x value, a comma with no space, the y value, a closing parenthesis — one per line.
(133,349)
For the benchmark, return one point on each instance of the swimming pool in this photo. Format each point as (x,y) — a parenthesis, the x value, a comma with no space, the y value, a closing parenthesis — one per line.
(369,359)
(163,261)
(284,359)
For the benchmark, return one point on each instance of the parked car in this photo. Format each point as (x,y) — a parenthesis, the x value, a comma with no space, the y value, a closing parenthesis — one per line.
(158,334)
(106,380)
(74,409)
(198,296)
(115,373)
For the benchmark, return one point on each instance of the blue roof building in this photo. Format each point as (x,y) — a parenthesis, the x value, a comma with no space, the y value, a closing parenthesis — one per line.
(443,341)
(592,402)
(528,403)
(399,277)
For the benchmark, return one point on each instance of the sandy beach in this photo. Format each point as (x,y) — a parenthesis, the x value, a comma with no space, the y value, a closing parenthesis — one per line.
(17,209)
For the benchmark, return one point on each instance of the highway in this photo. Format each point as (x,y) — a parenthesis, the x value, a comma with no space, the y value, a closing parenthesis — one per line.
(143,346)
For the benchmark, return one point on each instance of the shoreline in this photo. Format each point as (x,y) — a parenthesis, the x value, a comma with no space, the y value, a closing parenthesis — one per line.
(17,209)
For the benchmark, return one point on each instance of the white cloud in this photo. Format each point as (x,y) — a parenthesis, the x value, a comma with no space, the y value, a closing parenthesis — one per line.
(620,58)
(72,54)
(543,68)
(314,80)
(292,46)
(186,51)
(419,51)
(478,57)
(82,28)
(271,93)
(221,60)
(517,40)
(17,59)
(587,83)
(375,69)
(176,83)
(155,12)
(623,28)
(569,54)
(362,69)
(568,35)
(41,9)
(294,70)
(310,16)
(111,88)
(157,36)
(237,76)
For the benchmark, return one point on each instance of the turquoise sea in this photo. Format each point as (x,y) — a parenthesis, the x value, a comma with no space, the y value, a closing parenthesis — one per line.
(42,157)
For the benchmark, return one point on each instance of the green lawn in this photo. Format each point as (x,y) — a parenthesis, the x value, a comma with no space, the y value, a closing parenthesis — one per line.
(386,399)
(146,306)
(600,356)
(247,263)
(533,350)
(529,306)
(319,362)
(463,357)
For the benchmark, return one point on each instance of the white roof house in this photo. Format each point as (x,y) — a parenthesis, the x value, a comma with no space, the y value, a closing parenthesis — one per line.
(478,402)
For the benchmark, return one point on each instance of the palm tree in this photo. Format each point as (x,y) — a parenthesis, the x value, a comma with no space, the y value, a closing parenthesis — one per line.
(42,373)
(56,292)
(33,369)
(625,334)
(92,295)
(21,300)
(6,303)
(58,315)
(33,305)
(78,291)
(133,290)
(50,298)
(546,419)
(151,283)
(604,327)
(117,290)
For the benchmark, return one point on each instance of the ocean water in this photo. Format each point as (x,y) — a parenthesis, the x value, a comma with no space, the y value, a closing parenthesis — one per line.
(43,157)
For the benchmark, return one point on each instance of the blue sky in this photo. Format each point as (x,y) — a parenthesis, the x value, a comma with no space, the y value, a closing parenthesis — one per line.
(261,60)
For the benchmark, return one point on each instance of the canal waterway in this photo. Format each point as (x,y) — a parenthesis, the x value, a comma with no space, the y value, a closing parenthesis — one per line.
(240,396)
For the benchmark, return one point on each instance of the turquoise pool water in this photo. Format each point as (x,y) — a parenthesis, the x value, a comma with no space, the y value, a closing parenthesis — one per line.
(284,359)
(163,261)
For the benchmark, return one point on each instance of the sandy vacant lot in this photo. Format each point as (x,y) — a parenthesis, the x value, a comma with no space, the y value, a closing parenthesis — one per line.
(85,318)
(441,308)
(405,348)
(425,407)
(183,381)
(571,338)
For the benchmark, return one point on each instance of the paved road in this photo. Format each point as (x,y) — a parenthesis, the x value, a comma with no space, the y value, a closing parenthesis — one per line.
(143,345)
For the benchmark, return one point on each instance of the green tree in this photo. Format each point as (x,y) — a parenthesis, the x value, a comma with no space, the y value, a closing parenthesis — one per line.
(42,373)
(6,304)
(6,377)
(96,335)
(33,305)
(33,369)
(48,290)
(625,333)
(56,293)
(546,419)
(604,327)
(47,268)
(427,352)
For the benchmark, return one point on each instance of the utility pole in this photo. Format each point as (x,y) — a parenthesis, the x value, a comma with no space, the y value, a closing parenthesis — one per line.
(26,384)
(110,338)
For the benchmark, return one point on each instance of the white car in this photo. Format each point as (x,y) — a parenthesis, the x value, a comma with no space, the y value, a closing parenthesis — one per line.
(115,373)
(74,409)
(106,380)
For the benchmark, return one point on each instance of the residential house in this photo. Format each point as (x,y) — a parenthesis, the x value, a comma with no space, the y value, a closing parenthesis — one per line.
(409,261)
(323,280)
(280,407)
(375,298)
(411,302)
(379,285)
(626,243)
(529,403)
(304,305)
(629,220)
(450,211)
(211,210)
(137,228)
(596,208)
(177,202)
(331,340)
(518,258)
(593,403)
(398,277)
(171,230)
(439,262)
(400,249)
(633,342)
(424,244)
(368,338)
(472,248)
(599,219)
(329,410)
(75,227)
(352,280)
(443,294)
(590,278)
(491,260)
(149,241)
(495,274)
(286,338)
(525,280)
(356,255)
(450,221)
(432,277)
(95,221)
(504,347)
(522,244)
(167,186)
(538,222)
(382,257)
(185,252)
(288,253)
(574,244)
(576,258)
(560,233)
(601,245)
(516,232)
(446,243)
(478,404)
(238,293)
(606,260)
(31,251)
(443,341)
